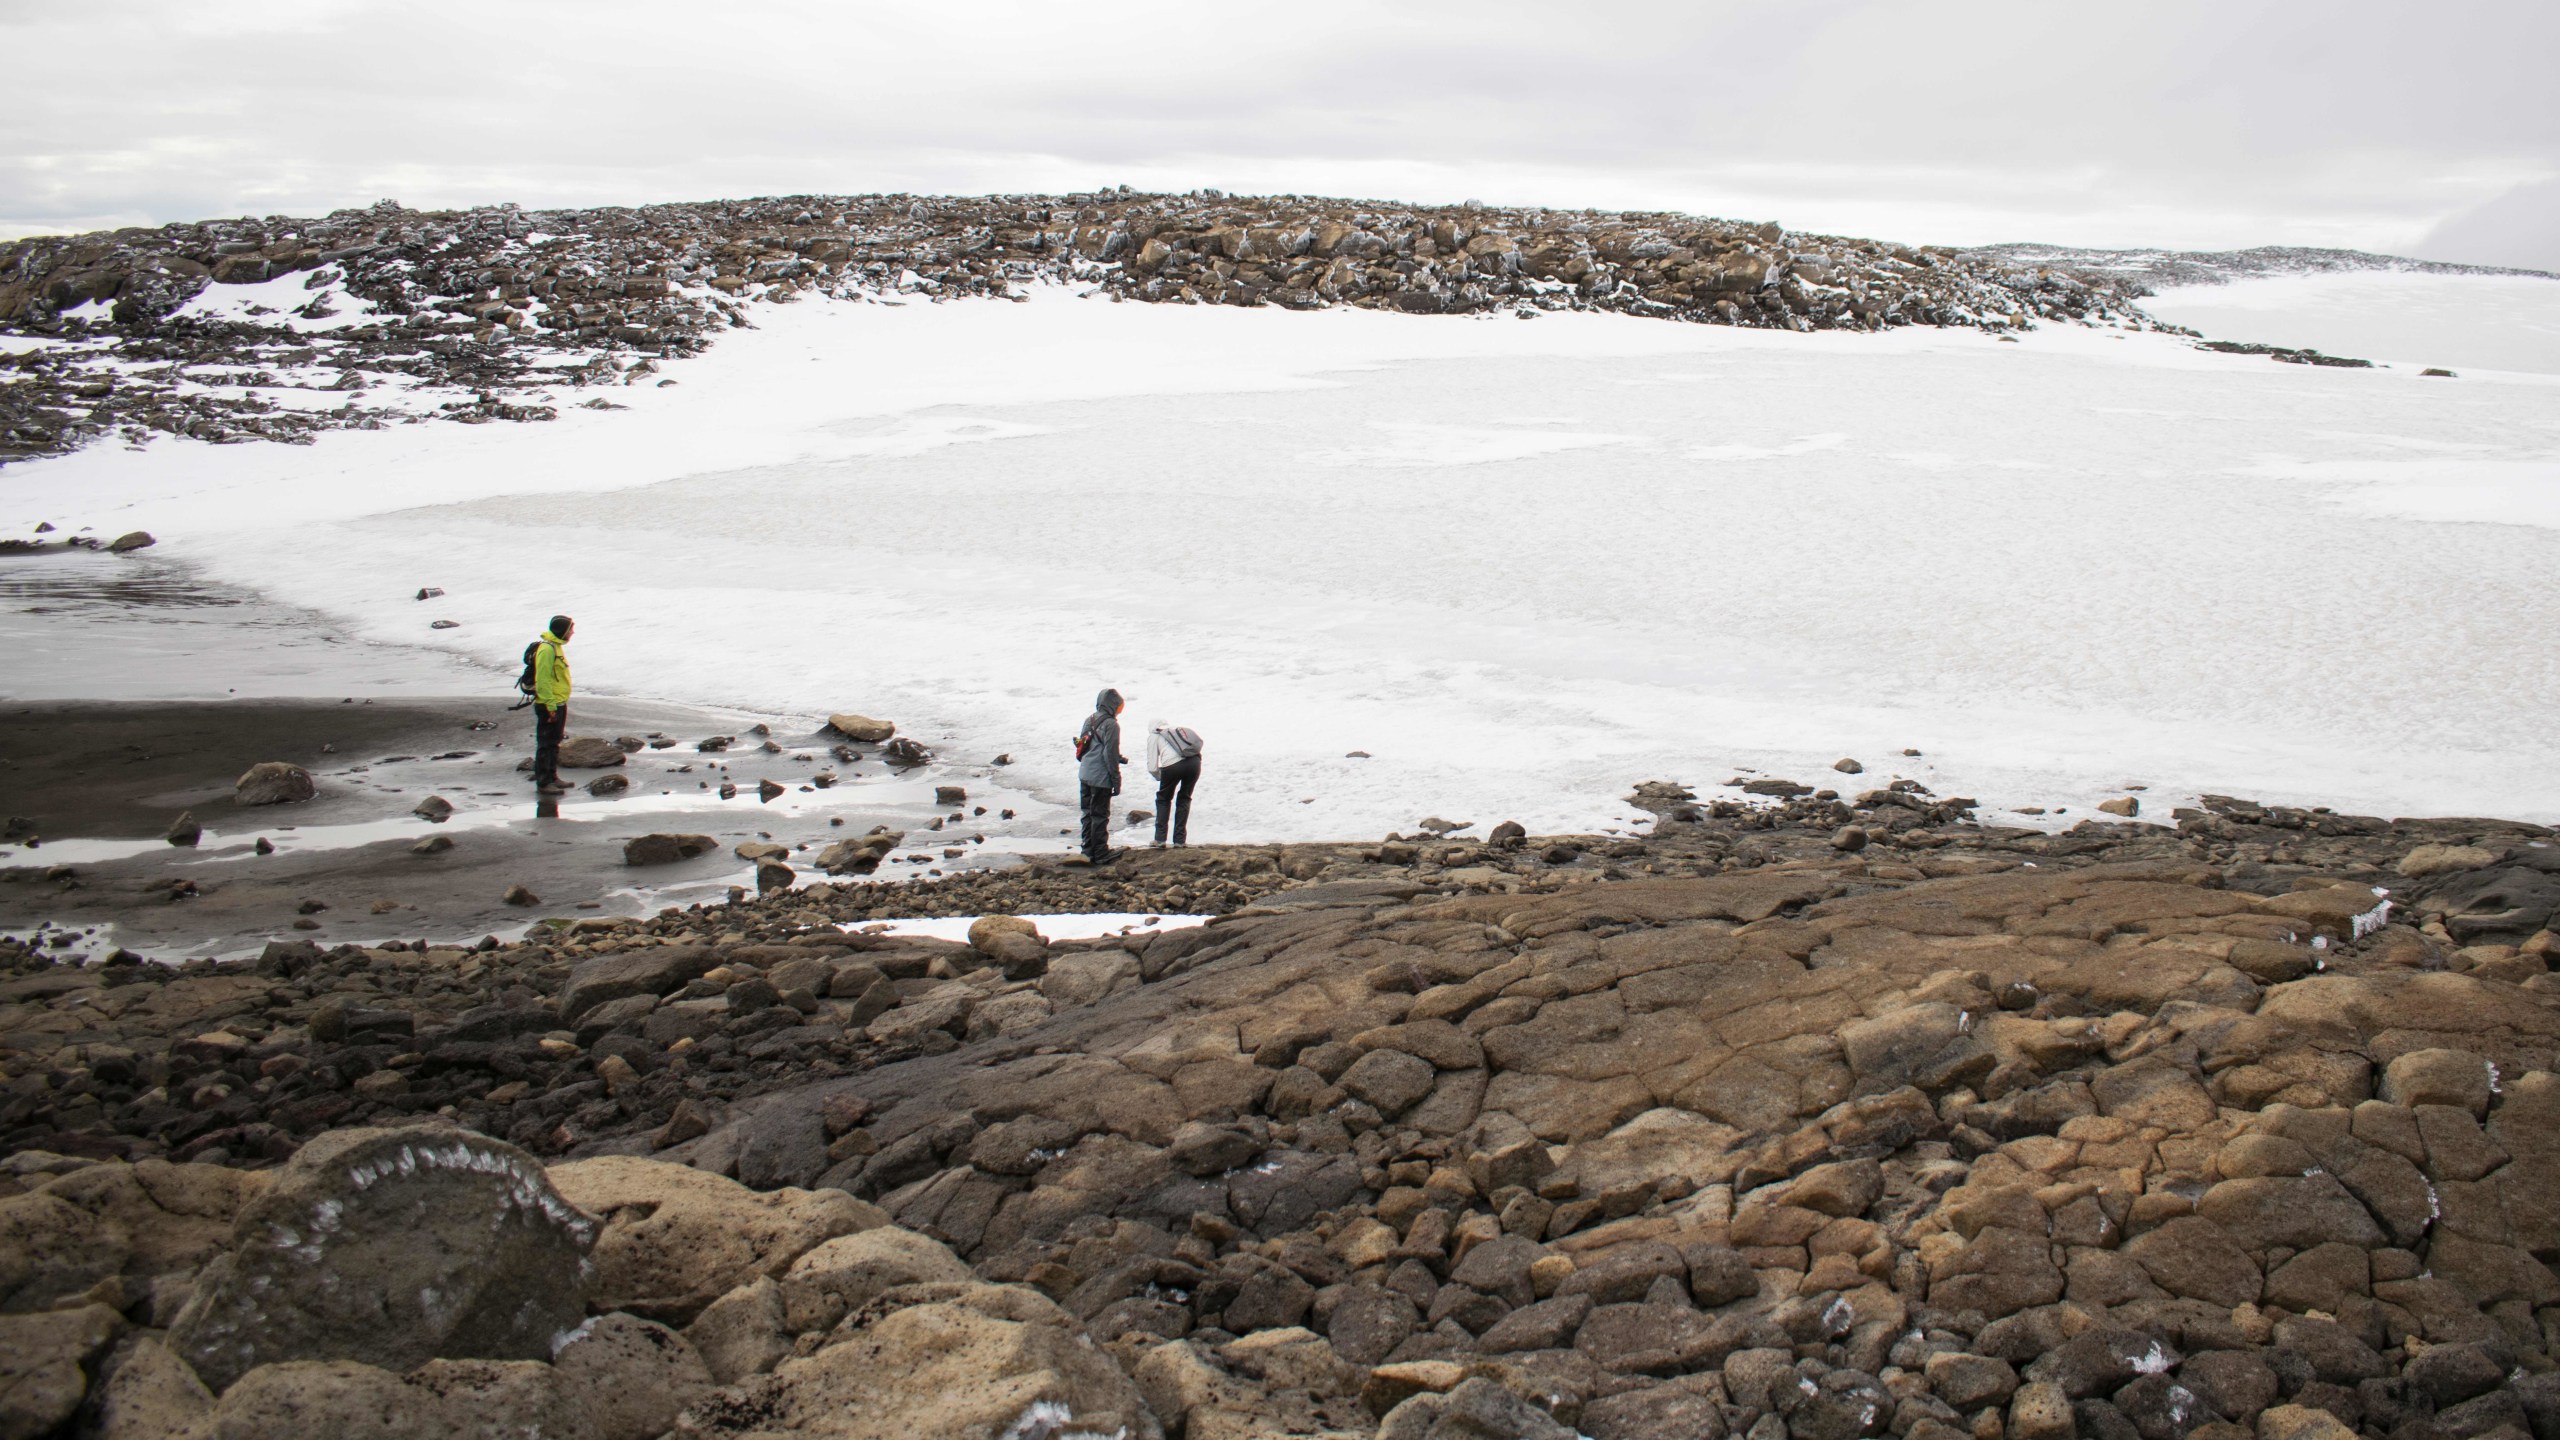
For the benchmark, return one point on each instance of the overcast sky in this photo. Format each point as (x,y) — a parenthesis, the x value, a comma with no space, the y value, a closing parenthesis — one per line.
(2375,124)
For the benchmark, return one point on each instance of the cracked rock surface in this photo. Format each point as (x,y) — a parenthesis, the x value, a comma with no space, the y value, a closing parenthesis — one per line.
(2249,1125)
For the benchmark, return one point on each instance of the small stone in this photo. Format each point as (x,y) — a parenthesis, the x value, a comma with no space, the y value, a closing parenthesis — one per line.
(435,810)
(432,845)
(1849,839)
(2124,805)
(1848,766)
(666,849)
(861,728)
(2041,1412)
(519,895)
(184,830)
(131,541)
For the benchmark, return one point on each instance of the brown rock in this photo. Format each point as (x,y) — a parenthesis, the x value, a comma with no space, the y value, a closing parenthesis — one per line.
(46,1361)
(666,849)
(273,782)
(2438,1077)
(2266,1211)
(2195,1258)
(675,1238)
(589,752)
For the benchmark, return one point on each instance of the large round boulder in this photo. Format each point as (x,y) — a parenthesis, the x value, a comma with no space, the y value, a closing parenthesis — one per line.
(393,1247)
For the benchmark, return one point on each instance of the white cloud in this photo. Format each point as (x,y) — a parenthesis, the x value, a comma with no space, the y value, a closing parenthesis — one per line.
(2180,122)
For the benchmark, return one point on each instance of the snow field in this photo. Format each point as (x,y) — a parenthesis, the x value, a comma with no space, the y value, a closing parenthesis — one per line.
(1522,564)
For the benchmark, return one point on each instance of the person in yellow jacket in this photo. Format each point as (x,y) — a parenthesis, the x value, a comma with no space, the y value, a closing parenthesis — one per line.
(550,704)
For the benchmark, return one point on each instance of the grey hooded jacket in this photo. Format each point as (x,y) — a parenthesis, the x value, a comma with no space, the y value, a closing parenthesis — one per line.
(1102,758)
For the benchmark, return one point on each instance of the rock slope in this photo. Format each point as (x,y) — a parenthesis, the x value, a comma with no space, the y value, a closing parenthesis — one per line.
(1820,1120)
(386,315)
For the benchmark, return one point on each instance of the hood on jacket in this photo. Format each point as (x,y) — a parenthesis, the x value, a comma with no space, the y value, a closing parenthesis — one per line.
(1107,703)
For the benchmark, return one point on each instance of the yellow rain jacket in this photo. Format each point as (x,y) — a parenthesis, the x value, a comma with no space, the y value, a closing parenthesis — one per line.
(550,673)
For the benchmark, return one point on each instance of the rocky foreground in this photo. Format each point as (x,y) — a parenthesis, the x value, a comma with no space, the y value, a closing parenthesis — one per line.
(1827,1119)
(403,315)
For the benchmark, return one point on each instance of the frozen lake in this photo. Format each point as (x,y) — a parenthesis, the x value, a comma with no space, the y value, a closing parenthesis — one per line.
(1522,564)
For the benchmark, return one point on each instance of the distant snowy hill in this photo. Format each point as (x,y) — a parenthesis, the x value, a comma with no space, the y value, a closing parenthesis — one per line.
(2163,269)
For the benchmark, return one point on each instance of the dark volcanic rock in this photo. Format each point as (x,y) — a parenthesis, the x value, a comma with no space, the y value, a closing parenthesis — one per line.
(393,1247)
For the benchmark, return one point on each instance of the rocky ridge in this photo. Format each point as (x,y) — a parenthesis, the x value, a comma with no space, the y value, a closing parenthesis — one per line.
(1821,1118)
(493,314)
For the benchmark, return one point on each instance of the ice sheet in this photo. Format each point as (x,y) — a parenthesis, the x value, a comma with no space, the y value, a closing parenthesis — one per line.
(2057,567)
(2459,322)
(1092,926)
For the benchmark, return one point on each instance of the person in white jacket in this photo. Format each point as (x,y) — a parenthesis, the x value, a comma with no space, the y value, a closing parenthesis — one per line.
(1173,757)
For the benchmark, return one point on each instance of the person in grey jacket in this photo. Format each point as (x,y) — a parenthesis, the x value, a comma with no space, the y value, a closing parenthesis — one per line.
(1098,762)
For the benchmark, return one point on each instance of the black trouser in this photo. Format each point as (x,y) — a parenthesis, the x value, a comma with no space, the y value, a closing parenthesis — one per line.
(1173,798)
(1097,820)
(550,726)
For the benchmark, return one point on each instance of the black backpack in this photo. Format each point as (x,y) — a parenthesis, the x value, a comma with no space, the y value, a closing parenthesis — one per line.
(524,682)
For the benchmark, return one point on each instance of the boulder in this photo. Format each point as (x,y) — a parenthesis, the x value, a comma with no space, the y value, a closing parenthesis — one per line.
(850,1271)
(625,1378)
(984,930)
(972,1360)
(666,849)
(676,1238)
(631,972)
(2438,1077)
(435,809)
(2297,1212)
(2197,1259)
(1842,1188)
(1087,976)
(589,752)
(1659,1412)
(1387,1079)
(861,727)
(1659,1144)
(46,1362)
(860,856)
(2431,860)
(273,782)
(151,1395)
(392,1246)
(1931,1045)
(131,541)
(1476,1408)
(350,1400)
(114,1222)
(742,1333)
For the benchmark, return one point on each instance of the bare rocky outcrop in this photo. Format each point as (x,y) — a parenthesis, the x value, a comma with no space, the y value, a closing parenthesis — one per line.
(2245,1124)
